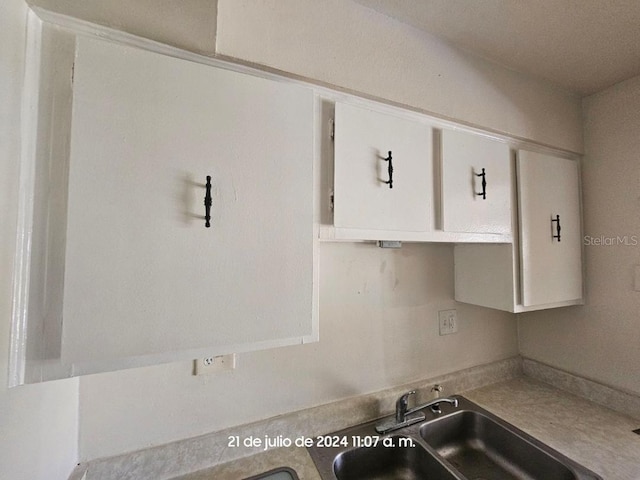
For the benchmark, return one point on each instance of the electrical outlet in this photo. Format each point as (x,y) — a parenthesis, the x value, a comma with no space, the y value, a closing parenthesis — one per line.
(207,365)
(448,321)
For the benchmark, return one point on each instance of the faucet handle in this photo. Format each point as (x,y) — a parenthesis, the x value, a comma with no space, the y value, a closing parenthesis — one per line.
(404,398)
(402,405)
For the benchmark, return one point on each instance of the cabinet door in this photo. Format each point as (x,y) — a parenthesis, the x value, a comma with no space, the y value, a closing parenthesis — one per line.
(551,268)
(143,275)
(467,205)
(363,198)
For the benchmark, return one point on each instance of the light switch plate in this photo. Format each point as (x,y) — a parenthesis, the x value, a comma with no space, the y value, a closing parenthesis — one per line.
(448,321)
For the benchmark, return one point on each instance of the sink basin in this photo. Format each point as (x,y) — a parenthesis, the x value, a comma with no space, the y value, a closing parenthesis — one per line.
(481,448)
(462,443)
(398,462)
(282,473)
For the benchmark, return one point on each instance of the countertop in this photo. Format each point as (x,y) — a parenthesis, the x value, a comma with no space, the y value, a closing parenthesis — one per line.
(596,437)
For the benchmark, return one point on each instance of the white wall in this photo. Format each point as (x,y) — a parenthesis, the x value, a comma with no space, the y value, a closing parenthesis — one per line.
(38,423)
(348,45)
(187,24)
(378,328)
(600,340)
(378,308)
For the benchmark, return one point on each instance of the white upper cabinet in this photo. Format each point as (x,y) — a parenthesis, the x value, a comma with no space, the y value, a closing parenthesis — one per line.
(394,180)
(543,267)
(144,279)
(143,274)
(550,229)
(476,184)
(383,173)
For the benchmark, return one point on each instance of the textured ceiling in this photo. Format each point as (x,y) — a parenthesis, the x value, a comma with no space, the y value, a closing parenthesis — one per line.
(583,45)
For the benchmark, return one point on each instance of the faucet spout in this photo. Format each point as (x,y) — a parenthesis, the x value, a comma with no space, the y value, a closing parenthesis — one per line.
(402,405)
(405,416)
(435,403)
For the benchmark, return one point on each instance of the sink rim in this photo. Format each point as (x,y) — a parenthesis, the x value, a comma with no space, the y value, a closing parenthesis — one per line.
(572,466)
(324,457)
(418,449)
(273,471)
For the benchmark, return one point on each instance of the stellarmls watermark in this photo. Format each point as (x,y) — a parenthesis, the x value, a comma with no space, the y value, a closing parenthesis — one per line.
(611,240)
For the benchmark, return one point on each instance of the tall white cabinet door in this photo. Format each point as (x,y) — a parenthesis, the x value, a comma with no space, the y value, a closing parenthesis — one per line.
(467,204)
(144,276)
(551,268)
(363,196)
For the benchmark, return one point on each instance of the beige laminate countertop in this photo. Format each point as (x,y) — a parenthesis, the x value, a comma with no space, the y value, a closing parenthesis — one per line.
(600,439)
(594,436)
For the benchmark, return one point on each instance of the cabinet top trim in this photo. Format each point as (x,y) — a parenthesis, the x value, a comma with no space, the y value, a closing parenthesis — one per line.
(322,89)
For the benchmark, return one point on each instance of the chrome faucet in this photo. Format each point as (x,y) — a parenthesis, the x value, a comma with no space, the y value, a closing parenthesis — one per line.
(434,404)
(402,406)
(405,416)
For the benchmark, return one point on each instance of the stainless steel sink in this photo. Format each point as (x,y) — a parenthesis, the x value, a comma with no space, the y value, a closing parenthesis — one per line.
(463,443)
(282,473)
(398,461)
(481,448)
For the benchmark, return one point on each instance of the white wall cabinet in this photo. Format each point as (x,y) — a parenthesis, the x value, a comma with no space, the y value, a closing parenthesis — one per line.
(550,242)
(476,184)
(383,174)
(543,268)
(432,197)
(144,279)
(115,267)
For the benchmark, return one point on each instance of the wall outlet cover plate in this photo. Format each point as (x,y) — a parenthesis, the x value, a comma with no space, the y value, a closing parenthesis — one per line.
(213,364)
(448,321)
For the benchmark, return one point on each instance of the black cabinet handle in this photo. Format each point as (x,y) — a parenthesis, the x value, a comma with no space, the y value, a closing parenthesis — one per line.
(558,228)
(390,170)
(484,184)
(207,203)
